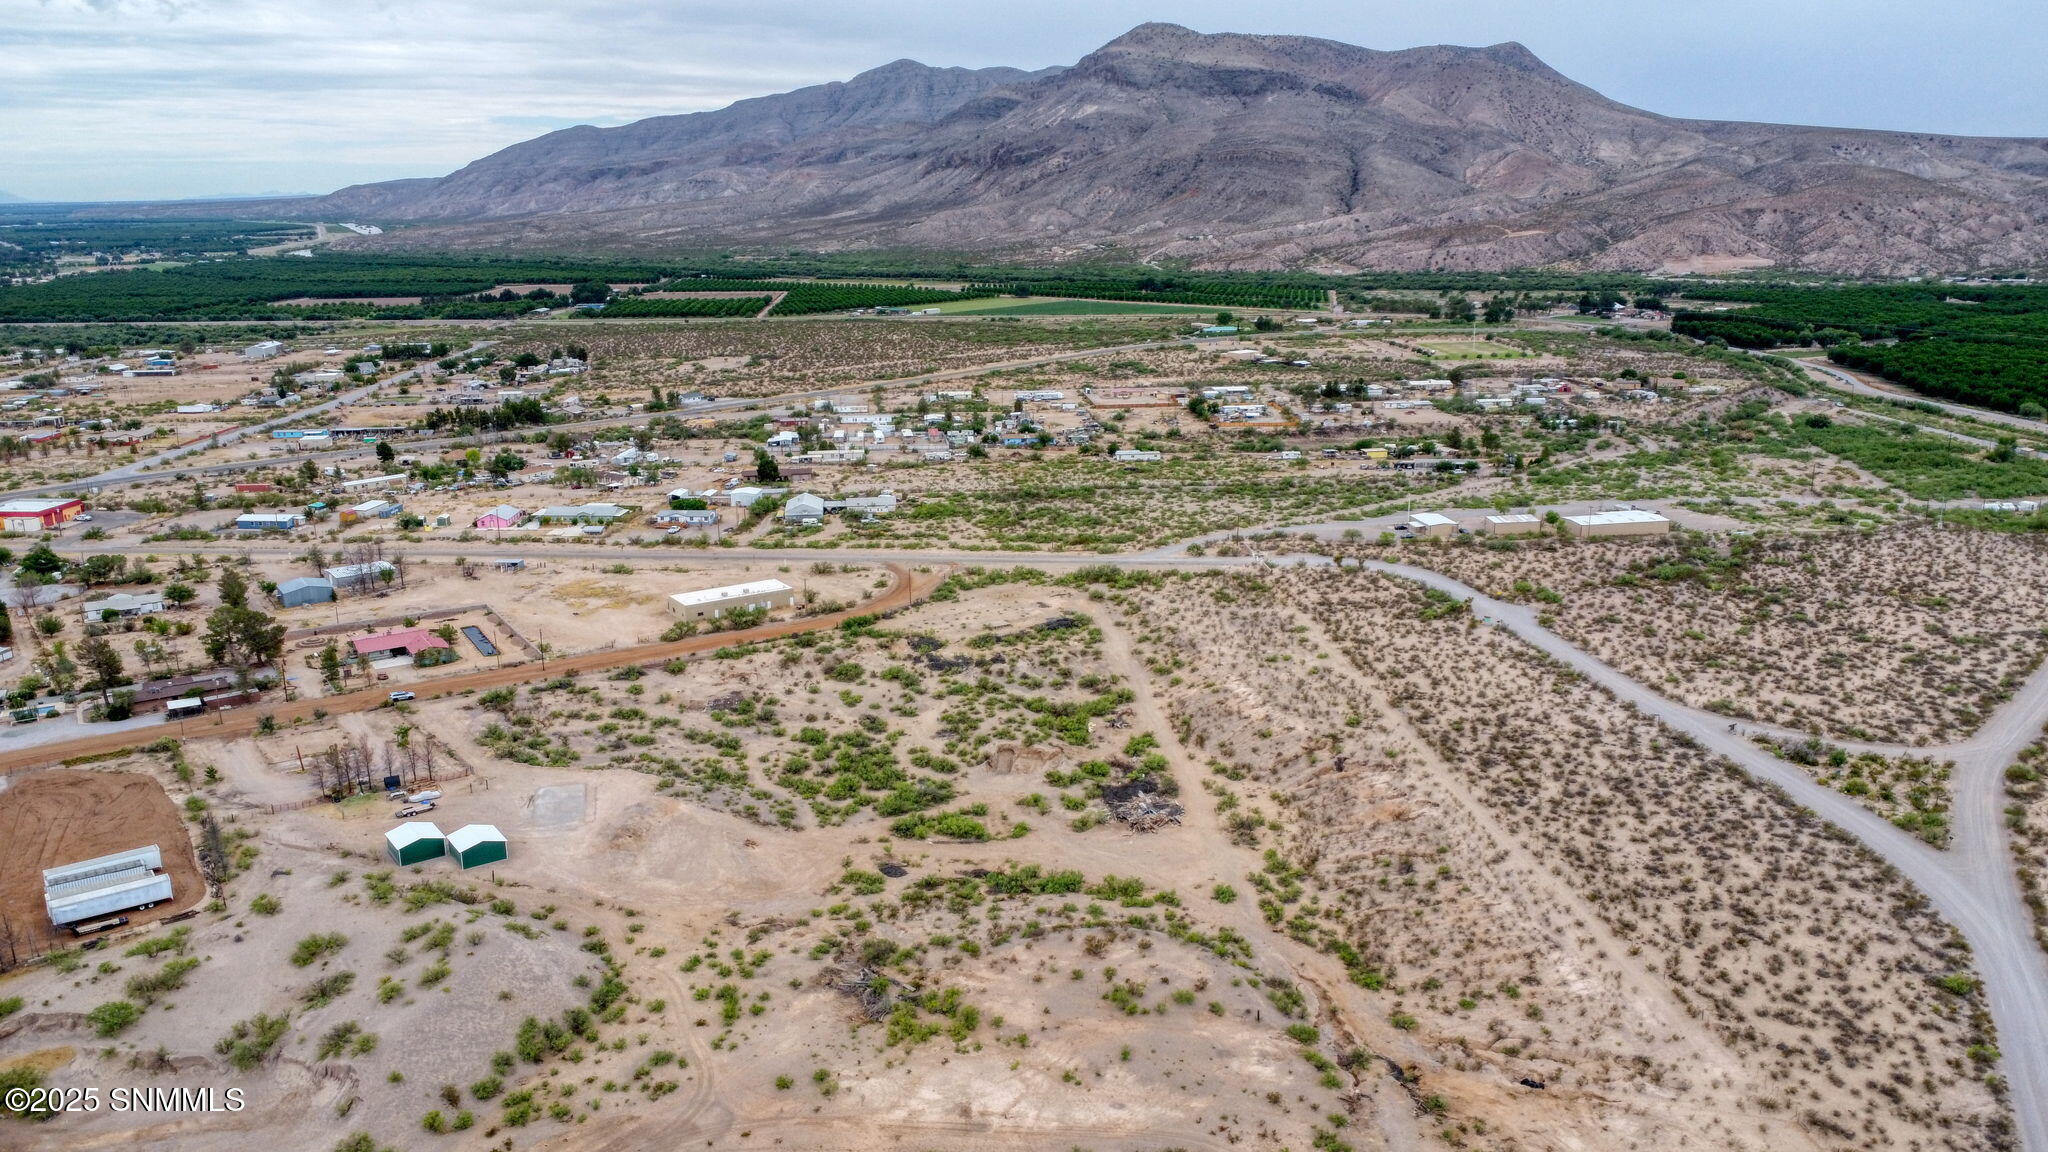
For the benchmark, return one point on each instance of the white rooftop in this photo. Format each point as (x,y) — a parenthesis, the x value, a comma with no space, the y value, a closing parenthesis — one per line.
(470,835)
(32,505)
(1512,518)
(413,831)
(149,857)
(1432,519)
(730,592)
(1619,516)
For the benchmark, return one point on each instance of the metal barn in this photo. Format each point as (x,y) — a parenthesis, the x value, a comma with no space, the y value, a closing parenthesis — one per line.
(415,842)
(474,844)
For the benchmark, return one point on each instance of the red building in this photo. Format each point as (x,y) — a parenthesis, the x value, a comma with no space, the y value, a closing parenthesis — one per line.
(38,515)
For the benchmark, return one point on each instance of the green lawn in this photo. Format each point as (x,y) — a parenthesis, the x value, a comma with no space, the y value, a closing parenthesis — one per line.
(1012,306)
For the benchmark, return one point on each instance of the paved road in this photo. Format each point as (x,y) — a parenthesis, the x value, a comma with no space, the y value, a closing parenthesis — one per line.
(1850,382)
(134,472)
(137,470)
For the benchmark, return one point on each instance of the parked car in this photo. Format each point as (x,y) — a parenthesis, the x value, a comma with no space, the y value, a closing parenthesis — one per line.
(401,696)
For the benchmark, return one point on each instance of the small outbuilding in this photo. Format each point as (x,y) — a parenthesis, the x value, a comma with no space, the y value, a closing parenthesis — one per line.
(415,842)
(474,844)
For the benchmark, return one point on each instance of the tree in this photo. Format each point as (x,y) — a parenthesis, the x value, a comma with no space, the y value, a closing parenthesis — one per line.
(242,638)
(180,594)
(505,463)
(41,561)
(385,452)
(102,569)
(330,664)
(765,467)
(589,292)
(234,590)
(102,665)
(150,653)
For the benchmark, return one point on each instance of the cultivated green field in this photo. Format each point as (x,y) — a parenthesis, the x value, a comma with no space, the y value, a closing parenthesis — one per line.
(1015,307)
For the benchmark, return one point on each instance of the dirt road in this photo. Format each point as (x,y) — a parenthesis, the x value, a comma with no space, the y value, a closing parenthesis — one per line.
(1972,883)
(908,588)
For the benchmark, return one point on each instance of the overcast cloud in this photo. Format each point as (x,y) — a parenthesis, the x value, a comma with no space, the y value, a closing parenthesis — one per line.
(140,99)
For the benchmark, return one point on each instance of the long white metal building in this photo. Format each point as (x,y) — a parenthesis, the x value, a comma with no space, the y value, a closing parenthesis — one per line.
(104,884)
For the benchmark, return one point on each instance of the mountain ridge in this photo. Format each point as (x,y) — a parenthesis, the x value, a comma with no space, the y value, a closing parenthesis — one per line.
(1246,151)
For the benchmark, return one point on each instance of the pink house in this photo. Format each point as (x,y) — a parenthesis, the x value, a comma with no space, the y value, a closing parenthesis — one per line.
(399,642)
(503,516)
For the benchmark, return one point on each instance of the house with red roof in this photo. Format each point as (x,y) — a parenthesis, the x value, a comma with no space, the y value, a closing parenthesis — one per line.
(399,642)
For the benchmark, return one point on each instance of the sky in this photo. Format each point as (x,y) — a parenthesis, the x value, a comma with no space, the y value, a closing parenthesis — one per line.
(159,99)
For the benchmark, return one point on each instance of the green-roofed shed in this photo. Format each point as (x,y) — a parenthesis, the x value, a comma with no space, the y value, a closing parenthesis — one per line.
(415,842)
(474,844)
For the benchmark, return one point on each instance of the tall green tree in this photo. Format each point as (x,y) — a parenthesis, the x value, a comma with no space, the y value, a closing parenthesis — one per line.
(242,638)
(234,590)
(102,662)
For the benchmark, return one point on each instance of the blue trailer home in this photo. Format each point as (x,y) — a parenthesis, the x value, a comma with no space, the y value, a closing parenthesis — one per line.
(266,521)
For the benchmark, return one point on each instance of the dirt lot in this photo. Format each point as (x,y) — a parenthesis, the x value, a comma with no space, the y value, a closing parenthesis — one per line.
(61,817)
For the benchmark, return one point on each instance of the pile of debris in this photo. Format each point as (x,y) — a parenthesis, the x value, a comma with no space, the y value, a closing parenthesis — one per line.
(1140,806)
(874,992)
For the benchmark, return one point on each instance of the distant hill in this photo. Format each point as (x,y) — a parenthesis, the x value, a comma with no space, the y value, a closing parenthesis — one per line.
(1239,151)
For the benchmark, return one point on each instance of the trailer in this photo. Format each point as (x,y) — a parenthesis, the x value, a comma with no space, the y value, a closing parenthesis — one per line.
(91,889)
(88,929)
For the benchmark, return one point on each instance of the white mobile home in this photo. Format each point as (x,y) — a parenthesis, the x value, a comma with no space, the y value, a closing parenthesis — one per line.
(706,603)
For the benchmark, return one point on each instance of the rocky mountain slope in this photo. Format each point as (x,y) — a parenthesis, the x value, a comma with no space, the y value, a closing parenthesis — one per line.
(1248,152)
